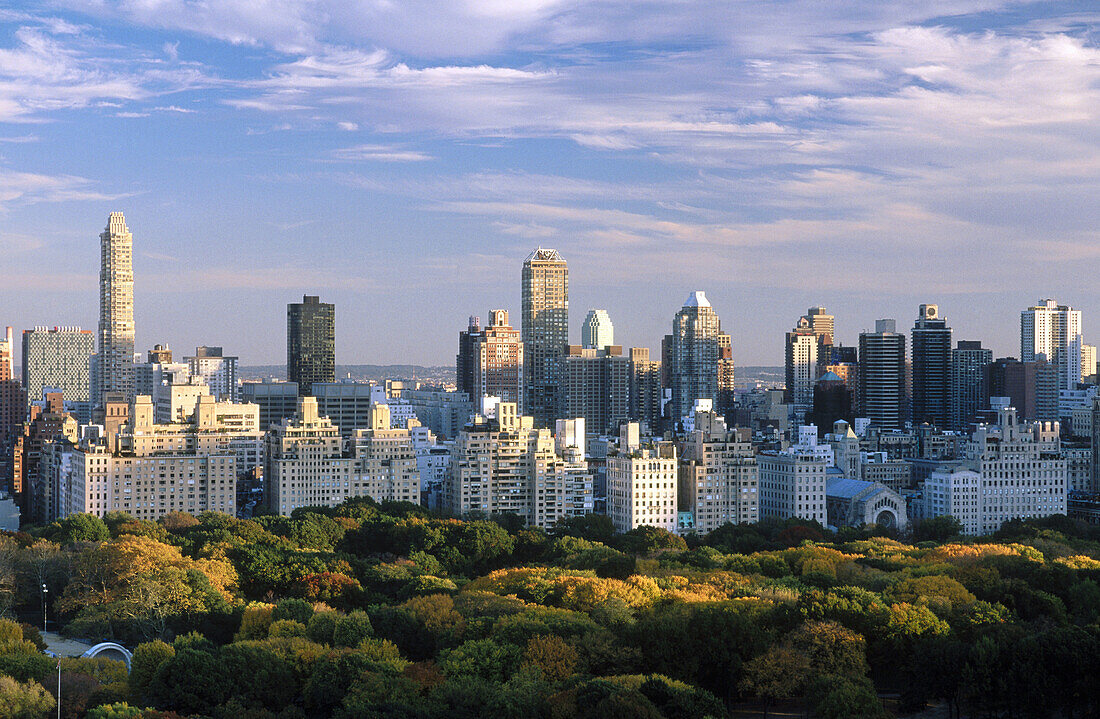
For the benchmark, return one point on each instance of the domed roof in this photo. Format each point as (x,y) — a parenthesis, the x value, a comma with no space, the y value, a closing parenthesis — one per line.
(830,377)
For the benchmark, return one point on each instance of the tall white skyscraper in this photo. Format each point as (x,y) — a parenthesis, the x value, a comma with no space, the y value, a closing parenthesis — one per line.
(114,367)
(597,332)
(1054,331)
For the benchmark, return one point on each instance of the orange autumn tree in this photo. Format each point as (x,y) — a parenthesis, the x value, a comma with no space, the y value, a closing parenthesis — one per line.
(135,587)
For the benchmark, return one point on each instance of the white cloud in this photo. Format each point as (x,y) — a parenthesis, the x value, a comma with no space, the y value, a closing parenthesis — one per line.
(60,68)
(380,153)
(28,187)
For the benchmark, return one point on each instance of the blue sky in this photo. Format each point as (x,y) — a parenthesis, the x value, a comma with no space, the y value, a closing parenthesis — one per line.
(401,159)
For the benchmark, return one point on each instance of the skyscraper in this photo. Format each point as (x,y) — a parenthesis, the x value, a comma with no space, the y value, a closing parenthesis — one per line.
(931,368)
(114,365)
(464,359)
(490,360)
(545,329)
(800,359)
(595,385)
(218,370)
(13,409)
(310,343)
(694,350)
(968,387)
(727,387)
(58,358)
(1054,331)
(1088,361)
(1031,387)
(882,375)
(597,332)
(646,393)
(821,323)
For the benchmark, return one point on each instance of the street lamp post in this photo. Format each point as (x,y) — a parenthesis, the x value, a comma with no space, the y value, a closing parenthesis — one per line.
(45,591)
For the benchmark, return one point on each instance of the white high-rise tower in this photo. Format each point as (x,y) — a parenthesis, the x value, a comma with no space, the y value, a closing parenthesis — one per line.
(114,366)
(597,332)
(1054,331)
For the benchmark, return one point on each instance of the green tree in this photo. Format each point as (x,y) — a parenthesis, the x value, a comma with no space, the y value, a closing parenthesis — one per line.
(144,665)
(845,698)
(286,628)
(260,677)
(330,679)
(119,710)
(191,682)
(937,529)
(481,658)
(80,528)
(23,700)
(779,673)
(351,629)
(831,648)
(646,540)
(255,621)
(297,609)
(321,627)
(704,644)
(551,656)
(591,527)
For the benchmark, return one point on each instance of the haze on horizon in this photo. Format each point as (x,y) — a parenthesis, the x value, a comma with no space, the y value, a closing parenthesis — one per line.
(401,159)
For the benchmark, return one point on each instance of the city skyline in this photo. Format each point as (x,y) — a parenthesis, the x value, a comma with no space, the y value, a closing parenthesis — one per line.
(868,159)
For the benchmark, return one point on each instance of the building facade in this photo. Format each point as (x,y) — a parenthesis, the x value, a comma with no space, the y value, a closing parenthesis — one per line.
(149,469)
(646,392)
(856,503)
(1031,387)
(882,375)
(114,365)
(506,465)
(800,362)
(545,330)
(310,343)
(305,464)
(694,354)
(931,395)
(385,460)
(955,491)
(277,400)
(494,361)
(1023,475)
(1052,331)
(642,483)
(595,385)
(792,480)
(57,358)
(218,370)
(718,475)
(968,387)
(13,410)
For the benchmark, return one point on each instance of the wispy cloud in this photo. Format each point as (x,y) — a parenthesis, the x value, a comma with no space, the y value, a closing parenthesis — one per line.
(59,67)
(27,187)
(379,153)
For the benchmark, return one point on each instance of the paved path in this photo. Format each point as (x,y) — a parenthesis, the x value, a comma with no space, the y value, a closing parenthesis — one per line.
(63,647)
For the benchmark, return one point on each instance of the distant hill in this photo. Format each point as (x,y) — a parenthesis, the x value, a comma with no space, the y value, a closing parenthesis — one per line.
(361,372)
(752,376)
(747,376)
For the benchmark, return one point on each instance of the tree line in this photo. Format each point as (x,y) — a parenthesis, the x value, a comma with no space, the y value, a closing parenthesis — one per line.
(385,610)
